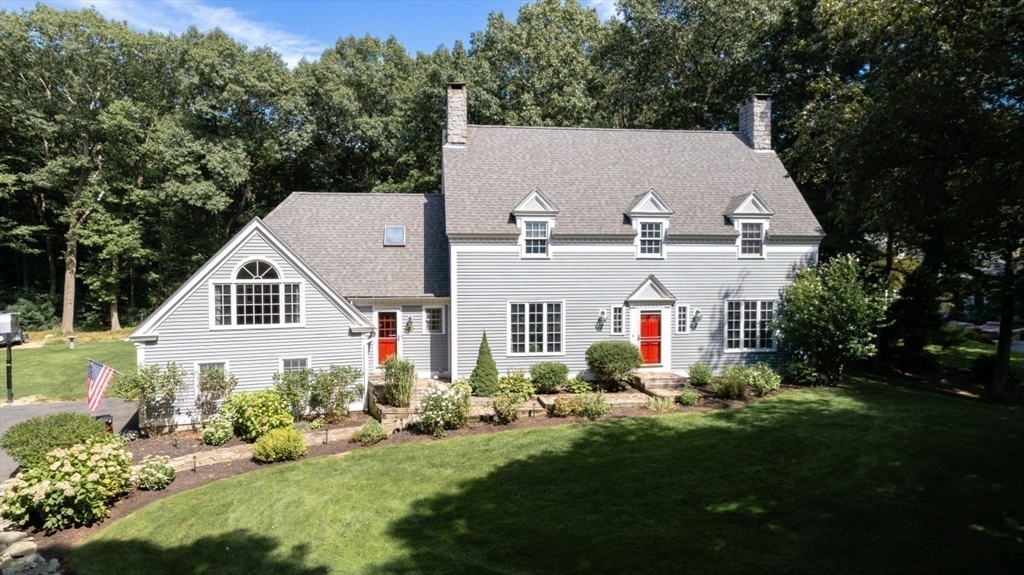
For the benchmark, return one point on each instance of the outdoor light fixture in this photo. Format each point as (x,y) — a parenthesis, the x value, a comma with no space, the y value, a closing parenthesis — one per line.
(408,325)
(602,316)
(10,335)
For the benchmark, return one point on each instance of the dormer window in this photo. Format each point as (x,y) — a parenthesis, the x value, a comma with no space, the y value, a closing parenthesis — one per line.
(394,236)
(650,216)
(651,240)
(750,216)
(535,239)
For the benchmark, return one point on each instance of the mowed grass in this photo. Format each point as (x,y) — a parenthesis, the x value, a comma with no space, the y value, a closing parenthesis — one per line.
(873,478)
(57,373)
(962,355)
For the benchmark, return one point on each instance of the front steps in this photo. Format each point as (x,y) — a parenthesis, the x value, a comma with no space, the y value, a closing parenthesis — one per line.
(659,384)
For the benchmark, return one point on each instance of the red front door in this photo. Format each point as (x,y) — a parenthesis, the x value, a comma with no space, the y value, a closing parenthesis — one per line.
(650,337)
(387,335)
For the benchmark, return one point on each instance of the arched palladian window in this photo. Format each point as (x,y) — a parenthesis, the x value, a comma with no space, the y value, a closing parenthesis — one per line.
(258,296)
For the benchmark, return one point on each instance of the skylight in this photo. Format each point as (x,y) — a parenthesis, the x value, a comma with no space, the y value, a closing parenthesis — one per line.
(394,235)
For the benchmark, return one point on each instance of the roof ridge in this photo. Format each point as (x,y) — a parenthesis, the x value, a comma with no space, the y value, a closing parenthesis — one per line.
(581,129)
(362,194)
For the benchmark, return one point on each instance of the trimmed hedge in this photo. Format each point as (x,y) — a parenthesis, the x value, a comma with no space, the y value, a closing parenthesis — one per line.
(28,442)
(282,444)
(549,376)
(613,361)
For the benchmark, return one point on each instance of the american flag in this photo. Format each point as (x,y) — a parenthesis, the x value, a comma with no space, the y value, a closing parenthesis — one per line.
(99,377)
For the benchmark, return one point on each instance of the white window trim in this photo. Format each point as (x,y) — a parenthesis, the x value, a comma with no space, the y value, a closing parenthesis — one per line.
(385,238)
(195,373)
(738,222)
(664,235)
(622,318)
(508,329)
(686,324)
(444,321)
(521,224)
(725,327)
(666,334)
(232,282)
(281,360)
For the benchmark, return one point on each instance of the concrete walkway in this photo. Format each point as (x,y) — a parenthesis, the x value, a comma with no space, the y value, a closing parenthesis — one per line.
(123,413)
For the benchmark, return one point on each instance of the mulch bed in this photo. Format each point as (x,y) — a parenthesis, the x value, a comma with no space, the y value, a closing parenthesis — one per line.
(59,545)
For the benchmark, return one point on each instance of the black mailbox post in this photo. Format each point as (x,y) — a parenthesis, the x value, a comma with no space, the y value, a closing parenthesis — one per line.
(10,335)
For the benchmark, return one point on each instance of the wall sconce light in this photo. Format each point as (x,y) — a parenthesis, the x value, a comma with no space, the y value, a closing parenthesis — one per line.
(408,325)
(602,316)
(696,319)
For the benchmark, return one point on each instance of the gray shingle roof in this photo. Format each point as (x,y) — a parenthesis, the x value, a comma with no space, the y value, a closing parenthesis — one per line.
(342,237)
(594,175)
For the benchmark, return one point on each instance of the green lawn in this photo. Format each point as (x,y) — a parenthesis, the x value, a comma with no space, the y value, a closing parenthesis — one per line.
(962,355)
(56,372)
(871,479)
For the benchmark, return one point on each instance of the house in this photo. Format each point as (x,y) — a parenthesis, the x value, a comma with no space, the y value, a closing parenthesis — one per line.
(548,239)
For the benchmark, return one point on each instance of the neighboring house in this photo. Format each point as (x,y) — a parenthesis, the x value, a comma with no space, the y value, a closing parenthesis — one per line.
(548,239)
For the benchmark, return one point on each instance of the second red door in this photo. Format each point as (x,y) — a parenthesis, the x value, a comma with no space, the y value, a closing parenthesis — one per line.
(650,337)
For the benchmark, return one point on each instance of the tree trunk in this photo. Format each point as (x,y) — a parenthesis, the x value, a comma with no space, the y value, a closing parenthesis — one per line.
(997,387)
(115,322)
(67,318)
(52,260)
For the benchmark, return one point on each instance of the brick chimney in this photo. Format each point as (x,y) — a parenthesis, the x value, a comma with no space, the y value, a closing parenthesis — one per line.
(756,121)
(455,135)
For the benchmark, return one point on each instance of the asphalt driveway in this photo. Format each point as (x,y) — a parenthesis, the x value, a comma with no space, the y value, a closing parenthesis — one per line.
(122,412)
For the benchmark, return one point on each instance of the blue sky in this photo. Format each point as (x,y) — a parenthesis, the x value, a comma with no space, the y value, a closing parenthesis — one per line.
(304,28)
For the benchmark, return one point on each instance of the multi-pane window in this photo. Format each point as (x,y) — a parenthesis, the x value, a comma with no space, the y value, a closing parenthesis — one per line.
(751,239)
(682,319)
(650,239)
(535,328)
(748,325)
(433,320)
(294,364)
(617,323)
(257,297)
(536,238)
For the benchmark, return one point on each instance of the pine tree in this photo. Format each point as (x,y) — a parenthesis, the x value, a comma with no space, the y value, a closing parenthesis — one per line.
(484,379)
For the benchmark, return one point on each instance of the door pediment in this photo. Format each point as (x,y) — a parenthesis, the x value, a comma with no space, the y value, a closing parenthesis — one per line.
(651,292)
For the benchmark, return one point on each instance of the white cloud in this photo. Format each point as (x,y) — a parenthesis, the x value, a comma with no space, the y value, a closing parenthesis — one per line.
(177,16)
(606,9)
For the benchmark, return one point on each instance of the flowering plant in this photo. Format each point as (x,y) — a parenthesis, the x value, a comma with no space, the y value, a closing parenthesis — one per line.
(155,473)
(75,486)
(445,407)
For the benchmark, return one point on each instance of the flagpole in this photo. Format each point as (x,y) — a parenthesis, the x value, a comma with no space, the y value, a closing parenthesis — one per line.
(105,365)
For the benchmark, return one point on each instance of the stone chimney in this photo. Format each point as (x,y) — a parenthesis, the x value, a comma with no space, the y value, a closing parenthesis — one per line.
(755,121)
(457,115)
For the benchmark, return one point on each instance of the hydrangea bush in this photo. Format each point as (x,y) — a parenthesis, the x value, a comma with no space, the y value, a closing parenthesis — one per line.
(155,473)
(74,486)
(257,412)
(445,407)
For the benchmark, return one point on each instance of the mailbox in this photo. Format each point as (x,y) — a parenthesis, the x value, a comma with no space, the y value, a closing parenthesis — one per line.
(9,330)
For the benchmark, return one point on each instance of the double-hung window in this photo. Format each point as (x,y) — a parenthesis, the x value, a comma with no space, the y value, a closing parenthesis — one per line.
(535,239)
(617,321)
(682,319)
(294,364)
(535,328)
(257,296)
(651,235)
(751,240)
(433,320)
(748,325)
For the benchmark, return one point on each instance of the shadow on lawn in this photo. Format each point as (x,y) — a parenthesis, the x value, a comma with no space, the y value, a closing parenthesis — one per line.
(860,482)
(238,552)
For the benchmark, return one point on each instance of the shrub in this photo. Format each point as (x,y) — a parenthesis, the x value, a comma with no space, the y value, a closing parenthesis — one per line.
(701,373)
(155,473)
(28,442)
(593,405)
(979,336)
(566,405)
(506,407)
(334,389)
(36,311)
(762,379)
(282,444)
(549,376)
(294,388)
(151,389)
(516,384)
(317,423)
(370,433)
(218,430)
(612,361)
(578,385)
(399,378)
(799,372)
(72,486)
(689,396)
(215,385)
(660,403)
(256,412)
(830,315)
(445,407)
(484,379)
(984,366)
(732,384)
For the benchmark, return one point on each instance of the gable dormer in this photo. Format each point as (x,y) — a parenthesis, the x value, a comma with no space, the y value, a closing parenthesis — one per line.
(535,217)
(649,215)
(751,216)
